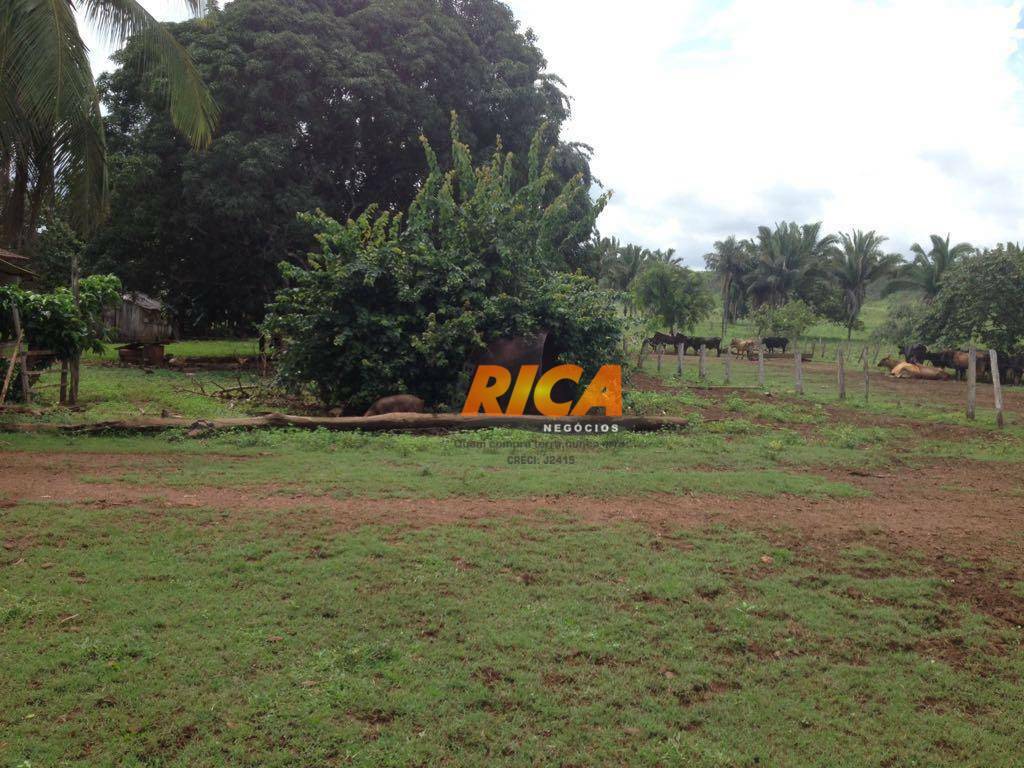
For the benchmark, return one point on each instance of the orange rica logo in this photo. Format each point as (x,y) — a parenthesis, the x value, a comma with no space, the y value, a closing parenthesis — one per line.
(492,382)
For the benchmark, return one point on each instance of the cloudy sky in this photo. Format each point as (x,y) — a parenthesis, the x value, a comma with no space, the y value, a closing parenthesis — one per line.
(710,117)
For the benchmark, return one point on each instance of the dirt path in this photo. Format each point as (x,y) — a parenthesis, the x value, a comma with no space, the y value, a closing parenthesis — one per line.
(973,509)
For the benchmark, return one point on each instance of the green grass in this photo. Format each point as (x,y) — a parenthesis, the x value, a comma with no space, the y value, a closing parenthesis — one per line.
(492,464)
(872,315)
(193,348)
(108,391)
(198,639)
(886,396)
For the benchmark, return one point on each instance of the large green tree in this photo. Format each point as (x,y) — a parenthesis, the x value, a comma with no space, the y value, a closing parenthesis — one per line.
(52,142)
(323,104)
(857,262)
(675,295)
(981,299)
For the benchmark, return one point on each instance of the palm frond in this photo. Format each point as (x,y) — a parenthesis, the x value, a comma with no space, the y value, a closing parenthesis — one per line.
(193,111)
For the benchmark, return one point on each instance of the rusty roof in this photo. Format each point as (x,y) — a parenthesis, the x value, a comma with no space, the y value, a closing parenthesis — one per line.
(9,268)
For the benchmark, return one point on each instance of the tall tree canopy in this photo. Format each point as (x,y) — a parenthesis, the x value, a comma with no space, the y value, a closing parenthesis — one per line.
(790,258)
(51,133)
(323,103)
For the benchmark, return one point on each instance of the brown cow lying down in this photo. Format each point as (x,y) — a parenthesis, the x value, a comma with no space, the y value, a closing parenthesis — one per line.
(914,371)
(397,404)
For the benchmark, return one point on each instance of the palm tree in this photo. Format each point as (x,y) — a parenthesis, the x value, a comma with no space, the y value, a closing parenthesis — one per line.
(857,262)
(628,264)
(731,261)
(51,129)
(787,258)
(667,256)
(924,274)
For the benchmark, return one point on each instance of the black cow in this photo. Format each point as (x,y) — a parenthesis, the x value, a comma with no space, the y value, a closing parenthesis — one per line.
(1011,367)
(682,340)
(776,342)
(661,340)
(709,343)
(915,353)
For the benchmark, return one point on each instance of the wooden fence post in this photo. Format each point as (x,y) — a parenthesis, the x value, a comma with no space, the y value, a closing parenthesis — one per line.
(76,361)
(703,362)
(798,369)
(640,357)
(997,387)
(64,382)
(841,372)
(728,367)
(760,365)
(26,394)
(680,354)
(661,350)
(15,351)
(867,380)
(972,382)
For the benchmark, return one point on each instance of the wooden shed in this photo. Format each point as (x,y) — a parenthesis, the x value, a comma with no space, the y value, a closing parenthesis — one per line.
(14,268)
(140,319)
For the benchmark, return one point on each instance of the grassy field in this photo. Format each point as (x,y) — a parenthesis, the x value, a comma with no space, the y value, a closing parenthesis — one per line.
(188,639)
(787,581)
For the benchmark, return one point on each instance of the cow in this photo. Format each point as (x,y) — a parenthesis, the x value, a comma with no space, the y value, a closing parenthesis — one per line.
(743,346)
(696,342)
(915,371)
(397,404)
(681,340)
(772,343)
(915,353)
(1016,368)
(908,370)
(960,362)
(661,340)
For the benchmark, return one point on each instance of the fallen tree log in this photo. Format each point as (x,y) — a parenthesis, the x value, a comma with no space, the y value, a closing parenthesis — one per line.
(390,422)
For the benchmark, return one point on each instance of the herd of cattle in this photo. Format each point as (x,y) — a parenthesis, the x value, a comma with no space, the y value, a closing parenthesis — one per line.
(1011,367)
(661,341)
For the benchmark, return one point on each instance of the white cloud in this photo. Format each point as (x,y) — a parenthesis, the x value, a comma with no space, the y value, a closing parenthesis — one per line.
(905,116)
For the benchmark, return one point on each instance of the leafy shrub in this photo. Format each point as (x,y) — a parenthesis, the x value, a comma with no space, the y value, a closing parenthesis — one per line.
(395,303)
(53,321)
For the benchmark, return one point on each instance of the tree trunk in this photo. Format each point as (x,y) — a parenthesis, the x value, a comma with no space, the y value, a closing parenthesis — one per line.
(14,212)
